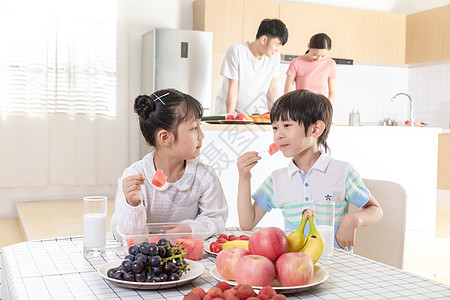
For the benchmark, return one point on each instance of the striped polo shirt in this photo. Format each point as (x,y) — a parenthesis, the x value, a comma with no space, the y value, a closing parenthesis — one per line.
(292,190)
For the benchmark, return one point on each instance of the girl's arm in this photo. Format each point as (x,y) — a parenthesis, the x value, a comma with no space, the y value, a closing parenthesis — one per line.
(370,213)
(249,215)
(331,89)
(288,84)
(212,206)
(127,218)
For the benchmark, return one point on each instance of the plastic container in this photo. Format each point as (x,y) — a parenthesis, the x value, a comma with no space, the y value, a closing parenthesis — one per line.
(193,242)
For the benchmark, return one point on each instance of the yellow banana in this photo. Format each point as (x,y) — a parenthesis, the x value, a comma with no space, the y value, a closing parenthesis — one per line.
(296,238)
(235,243)
(314,242)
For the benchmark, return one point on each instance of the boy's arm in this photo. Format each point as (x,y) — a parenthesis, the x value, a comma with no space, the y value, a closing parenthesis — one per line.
(249,215)
(370,213)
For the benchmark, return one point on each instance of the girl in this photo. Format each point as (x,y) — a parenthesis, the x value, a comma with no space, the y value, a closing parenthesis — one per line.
(170,122)
(314,71)
(301,121)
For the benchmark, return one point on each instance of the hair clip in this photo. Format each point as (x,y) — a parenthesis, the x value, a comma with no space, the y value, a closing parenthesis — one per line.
(159,98)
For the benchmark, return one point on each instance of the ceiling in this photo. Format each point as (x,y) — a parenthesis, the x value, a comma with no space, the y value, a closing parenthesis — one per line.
(403,7)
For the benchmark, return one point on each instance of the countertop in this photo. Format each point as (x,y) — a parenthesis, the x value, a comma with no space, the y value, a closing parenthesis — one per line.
(57,269)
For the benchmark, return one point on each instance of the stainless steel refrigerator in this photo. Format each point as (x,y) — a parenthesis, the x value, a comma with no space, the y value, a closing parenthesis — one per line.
(180,59)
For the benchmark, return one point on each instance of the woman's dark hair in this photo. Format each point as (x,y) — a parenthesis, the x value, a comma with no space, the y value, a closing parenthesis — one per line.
(304,107)
(165,112)
(320,41)
(273,28)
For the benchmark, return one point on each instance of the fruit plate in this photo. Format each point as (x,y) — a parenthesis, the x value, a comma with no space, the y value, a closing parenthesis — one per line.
(206,249)
(196,270)
(236,121)
(320,276)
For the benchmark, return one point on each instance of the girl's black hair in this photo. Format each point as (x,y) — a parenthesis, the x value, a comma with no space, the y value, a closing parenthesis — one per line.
(165,113)
(320,41)
(304,107)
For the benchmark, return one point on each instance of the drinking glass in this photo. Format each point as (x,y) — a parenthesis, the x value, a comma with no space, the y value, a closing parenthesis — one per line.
(324,219)
(94,225)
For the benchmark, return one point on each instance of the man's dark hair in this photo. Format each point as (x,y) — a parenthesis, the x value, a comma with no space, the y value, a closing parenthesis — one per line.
(273,28)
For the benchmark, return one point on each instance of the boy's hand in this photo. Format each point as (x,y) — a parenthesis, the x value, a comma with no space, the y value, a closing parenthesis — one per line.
(131,186)
(247,161)
(345,236)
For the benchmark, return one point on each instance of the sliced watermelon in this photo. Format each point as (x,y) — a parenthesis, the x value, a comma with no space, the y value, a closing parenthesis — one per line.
(159,179)
(130,241)
(193,247)
(273,149)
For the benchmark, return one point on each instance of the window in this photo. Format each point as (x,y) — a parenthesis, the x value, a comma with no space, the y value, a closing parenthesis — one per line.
(58,57)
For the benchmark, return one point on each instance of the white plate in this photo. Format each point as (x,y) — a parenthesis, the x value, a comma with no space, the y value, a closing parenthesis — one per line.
(320,276)
(196,270)
(206,249)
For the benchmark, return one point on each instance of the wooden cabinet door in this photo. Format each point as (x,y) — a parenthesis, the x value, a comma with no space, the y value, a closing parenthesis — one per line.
(254,12)
(363,35)
(424,35)
(446,40)
(392,38)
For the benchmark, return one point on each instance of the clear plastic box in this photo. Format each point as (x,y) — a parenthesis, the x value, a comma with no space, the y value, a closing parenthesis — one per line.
(153,232)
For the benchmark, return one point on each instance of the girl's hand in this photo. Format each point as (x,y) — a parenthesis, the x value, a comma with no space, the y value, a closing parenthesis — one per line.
(245,162)
(131,186)
(345,236)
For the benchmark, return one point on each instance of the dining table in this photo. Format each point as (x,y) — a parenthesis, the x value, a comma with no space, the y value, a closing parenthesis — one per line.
(57,269)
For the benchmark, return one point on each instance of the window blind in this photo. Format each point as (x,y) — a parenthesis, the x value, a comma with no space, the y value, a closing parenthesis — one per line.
(58,57)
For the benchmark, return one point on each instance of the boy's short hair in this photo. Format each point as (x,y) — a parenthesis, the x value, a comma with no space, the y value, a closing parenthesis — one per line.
(273,28)
(304,107)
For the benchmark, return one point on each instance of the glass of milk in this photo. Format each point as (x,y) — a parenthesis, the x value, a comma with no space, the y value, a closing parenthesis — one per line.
(94,225)
(324,219)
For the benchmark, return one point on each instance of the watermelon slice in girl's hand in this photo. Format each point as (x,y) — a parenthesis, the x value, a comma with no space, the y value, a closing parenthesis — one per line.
(273,149)
(159,179)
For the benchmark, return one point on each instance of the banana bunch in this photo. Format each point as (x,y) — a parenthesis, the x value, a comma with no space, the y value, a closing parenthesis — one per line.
(235,243)
(314,244)
(296,238)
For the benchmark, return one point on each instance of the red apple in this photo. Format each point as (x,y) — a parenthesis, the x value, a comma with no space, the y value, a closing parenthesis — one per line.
(294,268)
(270,242)
(230,117)
(241,116)
(255,270)
(227,259)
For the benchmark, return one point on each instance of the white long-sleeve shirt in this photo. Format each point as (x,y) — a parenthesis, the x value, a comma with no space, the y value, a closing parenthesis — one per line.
(196,199)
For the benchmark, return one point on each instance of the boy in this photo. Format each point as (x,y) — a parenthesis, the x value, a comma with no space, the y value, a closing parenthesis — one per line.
(250,71)
(301,121)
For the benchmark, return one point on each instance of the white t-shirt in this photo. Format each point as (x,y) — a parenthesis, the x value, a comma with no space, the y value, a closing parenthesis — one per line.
(196,199)
(254,76)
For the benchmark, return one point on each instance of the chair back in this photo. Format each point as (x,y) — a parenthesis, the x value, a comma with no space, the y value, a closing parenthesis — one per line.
(384,241)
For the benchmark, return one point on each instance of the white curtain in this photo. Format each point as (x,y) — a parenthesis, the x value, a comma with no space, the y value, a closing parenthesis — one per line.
(59,119)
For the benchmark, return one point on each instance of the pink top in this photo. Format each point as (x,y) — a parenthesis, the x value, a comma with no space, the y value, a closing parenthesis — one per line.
(312,76)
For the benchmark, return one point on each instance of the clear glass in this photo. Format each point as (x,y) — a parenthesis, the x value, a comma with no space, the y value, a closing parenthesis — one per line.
(324,218)
(94,225)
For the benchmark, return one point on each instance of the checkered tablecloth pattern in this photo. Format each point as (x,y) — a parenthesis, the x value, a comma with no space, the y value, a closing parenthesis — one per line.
(57,269)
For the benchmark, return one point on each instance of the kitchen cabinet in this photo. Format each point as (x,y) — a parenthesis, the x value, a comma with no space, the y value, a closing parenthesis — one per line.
(254,11)
(443,177)
(427,35)
(363,36)
(392,38)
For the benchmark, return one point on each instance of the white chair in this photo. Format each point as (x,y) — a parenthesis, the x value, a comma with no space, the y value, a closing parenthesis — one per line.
(384,241)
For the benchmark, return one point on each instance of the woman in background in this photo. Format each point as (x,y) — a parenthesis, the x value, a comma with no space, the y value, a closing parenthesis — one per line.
(314,71)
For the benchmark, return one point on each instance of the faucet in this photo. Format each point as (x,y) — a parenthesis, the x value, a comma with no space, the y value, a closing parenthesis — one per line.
(411,108)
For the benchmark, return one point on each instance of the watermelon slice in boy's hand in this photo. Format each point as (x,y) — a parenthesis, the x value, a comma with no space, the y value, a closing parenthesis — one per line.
(159,179)
(273,149)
